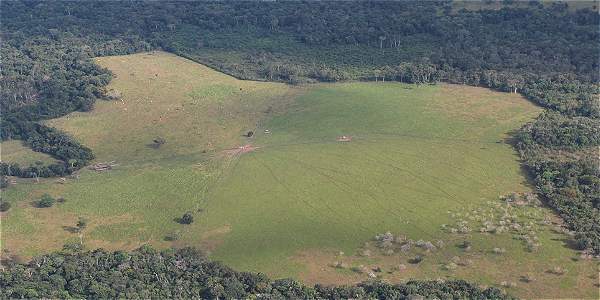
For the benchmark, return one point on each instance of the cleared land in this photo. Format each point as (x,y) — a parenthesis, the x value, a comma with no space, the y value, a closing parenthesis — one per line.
(419,157)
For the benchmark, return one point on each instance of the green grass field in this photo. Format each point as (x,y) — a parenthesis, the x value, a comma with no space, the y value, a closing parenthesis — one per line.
(418,155)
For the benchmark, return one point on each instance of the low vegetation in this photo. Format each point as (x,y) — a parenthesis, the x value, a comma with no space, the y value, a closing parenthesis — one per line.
(4,205)
(45,201)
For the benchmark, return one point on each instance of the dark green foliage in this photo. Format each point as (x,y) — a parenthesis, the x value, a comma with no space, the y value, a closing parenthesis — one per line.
(554,130)
(45,201)
(172,236)
(187,218)
(81,224)
(44,139)
(4,205)
(573,190)
(157,142)
(185,273)
(3,181)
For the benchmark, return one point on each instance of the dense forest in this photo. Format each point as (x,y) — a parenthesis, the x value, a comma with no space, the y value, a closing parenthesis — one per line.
(546,52)
(186,274)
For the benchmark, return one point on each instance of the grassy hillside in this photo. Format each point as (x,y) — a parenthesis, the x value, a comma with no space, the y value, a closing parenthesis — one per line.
(196,110)
(419,157)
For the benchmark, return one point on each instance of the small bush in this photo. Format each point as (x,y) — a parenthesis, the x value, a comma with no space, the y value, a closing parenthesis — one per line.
(465,245)
(173,236)
(187,218)
(81,224)
(158,141)
(417,259)
(4,205)
(46,201)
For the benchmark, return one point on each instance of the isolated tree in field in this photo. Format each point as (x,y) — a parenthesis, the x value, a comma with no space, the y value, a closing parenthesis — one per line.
(3,182)
(81,224)
(187,218)
(4,205)
(159,141)
(46,201)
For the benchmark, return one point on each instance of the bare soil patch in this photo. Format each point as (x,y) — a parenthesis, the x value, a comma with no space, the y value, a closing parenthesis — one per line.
(240,150)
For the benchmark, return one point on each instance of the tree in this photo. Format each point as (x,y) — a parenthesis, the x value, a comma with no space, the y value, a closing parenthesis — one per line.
(159,141)
(72,162)
(45,201)
(3,182)
(186,273)
(4,205)
(81,224)
(187,218)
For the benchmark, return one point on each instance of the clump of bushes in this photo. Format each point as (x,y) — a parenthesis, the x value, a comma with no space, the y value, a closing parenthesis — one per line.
(158,141)
(46,201)
(187,218)
(173,236)
(416,260)
(4,205)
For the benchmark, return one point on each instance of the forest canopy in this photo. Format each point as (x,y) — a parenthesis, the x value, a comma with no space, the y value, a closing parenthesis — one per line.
(186,273)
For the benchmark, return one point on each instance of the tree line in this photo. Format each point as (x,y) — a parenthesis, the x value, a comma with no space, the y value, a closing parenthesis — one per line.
(187,274)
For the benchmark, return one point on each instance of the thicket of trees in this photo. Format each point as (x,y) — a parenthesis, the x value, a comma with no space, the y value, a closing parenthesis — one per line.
(185,274)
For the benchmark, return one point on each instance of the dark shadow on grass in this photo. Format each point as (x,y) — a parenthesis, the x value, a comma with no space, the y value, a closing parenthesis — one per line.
(512,140)
(154,146)
(567,242)
(71,229)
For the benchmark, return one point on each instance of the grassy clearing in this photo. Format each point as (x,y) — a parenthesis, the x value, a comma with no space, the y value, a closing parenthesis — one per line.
(291,205)
(14,151)
(416,153)
(196,110)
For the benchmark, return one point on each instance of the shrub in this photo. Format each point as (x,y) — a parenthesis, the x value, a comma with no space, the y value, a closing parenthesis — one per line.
(158,141)
(46,201)
(417,259)
(3,182)
(81,224)
(187,218)
(173,236)
(4,205)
